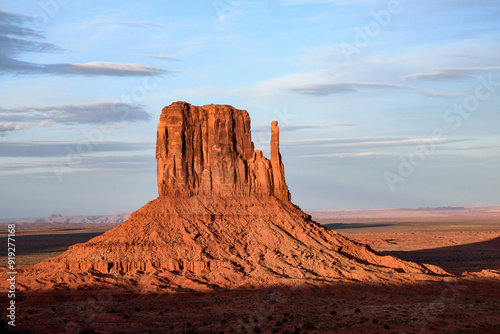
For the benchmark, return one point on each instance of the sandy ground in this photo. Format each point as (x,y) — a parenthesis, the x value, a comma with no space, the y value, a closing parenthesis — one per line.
(467,304)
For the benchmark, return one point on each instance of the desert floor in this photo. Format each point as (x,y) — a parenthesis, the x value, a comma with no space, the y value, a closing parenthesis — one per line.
(468,303)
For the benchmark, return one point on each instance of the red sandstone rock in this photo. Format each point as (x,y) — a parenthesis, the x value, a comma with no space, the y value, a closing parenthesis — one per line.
(223,219)
(208,151)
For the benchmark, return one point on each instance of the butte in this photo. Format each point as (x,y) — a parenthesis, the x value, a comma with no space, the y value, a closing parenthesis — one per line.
(223,220)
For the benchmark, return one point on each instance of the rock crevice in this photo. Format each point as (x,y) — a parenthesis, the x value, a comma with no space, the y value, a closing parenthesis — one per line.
(209,151)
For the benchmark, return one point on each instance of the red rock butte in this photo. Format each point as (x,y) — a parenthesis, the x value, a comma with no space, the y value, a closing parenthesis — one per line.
(223,219)
(209,151)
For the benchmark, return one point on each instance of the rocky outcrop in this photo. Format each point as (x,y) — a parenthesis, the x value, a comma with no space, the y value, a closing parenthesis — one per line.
(223,219)
(208,151)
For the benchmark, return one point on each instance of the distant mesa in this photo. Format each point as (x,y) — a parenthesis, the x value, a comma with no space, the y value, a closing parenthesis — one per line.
(223,219)
(116,218)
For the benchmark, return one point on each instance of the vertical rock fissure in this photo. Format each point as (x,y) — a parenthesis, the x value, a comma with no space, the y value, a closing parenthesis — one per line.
(213,154)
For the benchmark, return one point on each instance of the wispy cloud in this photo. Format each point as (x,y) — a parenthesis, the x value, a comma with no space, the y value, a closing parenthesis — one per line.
(343,87)
(62,149)
(110,162)
(160,56)
(21,118)
(11,126)
(141,24)
(397,142)
(348,155)
(104,68)
(370,142)
(323,141)
(443,73)
(16,38)
(442,95)
(266,128)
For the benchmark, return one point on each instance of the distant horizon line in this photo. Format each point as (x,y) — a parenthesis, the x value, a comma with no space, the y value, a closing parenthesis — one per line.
(429,208)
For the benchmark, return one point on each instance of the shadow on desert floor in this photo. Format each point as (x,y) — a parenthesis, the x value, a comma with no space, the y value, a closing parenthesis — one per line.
(344,226)
(457,259)
(429,307)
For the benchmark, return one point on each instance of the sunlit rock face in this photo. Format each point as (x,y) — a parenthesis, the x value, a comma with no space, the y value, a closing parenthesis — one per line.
(209,151)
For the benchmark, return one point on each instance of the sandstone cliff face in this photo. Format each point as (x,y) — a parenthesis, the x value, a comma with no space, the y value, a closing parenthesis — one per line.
(208,151)
(223,219)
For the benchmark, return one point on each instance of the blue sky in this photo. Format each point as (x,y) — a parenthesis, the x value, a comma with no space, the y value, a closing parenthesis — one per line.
(381,104)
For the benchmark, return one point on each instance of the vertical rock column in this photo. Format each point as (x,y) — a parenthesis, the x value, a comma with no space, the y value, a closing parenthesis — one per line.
(278,169)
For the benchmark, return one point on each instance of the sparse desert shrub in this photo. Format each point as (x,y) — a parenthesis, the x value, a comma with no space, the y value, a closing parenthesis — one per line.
(223,321)
(286,314)
(190,331)
(88,331)
(278,324)
(357,310)
(308,325)
(137,309)
(284,320)
(374,321)
(333,312)
(126,316)
(257,329)
(386,326)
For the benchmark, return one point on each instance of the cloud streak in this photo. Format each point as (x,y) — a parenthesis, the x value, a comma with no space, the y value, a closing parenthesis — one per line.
(323,141)
(62,149)
(442,95)
(349,155)
(110,162)
(104,113)
(11,126)
(447,73)
(266,128)
(17,38)
(160,56)
(343,87)
(141,24)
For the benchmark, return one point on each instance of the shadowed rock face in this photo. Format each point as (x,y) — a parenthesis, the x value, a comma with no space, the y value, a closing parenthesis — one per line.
(223,219)
(208,151)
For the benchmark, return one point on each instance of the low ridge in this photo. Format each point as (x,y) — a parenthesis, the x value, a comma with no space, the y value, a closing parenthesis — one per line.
(223,219)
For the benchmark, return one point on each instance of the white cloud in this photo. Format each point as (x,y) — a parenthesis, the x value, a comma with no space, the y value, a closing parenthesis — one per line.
(442,95)
(11,126)
(63,149)
(343,87)
(450,73)
(109,68)
(16,38)
(160,56)
(141,24)
(104,113)
(349,155)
